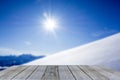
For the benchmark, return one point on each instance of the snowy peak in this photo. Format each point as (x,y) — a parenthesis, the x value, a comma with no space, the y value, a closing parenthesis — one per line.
(98,52)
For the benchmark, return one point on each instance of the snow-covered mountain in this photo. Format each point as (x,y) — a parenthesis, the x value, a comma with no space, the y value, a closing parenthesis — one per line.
(105,51)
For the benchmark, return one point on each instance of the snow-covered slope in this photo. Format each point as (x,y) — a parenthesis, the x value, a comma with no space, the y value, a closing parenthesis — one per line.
(99,52)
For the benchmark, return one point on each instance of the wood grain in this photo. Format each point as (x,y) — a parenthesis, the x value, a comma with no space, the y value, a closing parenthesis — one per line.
(59,72)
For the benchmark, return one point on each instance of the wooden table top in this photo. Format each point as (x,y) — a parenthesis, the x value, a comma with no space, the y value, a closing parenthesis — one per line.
(59,72)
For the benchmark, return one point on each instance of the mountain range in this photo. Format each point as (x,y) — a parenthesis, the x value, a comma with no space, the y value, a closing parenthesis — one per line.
(10,60)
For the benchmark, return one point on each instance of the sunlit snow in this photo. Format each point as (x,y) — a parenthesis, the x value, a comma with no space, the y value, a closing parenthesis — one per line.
(99,52)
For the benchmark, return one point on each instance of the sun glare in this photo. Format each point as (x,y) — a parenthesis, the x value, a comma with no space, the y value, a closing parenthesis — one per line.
(50,24)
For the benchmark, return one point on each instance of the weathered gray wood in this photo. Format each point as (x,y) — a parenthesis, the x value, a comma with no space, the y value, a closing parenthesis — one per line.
(25,74)
(65,74)
(38,73)
(51,73)
(78,73)
(13,72)
(7,70)
(61,72)
(93,73)
(106,73)
(110,70)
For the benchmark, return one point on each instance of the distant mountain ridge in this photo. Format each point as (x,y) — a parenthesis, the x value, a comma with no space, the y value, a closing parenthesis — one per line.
(10,60)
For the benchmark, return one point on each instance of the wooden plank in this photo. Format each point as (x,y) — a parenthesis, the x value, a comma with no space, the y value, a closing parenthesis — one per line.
(110,70)
(25,74)
(62,72)
(65,74)
(51,73)
(38,73)
(93,73)
(7,70)
(13,72)
(78,74)
(111,76)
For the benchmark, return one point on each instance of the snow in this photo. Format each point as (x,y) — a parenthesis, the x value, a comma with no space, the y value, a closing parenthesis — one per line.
(101,51)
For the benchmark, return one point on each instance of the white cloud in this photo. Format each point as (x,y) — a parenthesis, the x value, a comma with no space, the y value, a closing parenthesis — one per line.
(28,43)
(10,51)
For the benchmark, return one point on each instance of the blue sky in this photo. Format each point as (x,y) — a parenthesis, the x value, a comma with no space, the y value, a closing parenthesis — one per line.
(80,22)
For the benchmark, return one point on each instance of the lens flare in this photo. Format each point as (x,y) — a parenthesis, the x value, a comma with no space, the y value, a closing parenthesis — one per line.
(49,22)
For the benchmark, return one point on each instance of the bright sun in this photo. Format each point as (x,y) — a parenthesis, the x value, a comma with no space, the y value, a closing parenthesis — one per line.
(50,24)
